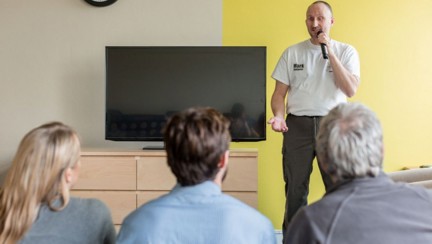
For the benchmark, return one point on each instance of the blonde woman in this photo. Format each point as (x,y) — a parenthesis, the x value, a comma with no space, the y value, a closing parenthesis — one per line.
(35,204)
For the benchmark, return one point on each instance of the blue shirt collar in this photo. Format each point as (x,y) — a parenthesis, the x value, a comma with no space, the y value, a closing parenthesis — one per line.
(206,188)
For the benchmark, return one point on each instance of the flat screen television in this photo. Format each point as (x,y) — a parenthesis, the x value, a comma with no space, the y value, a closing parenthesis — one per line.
(145,85)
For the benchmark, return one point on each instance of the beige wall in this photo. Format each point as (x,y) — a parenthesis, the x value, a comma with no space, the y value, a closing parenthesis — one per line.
(52,57)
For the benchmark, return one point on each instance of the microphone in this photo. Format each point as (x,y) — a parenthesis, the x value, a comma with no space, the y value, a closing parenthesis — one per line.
(323,46)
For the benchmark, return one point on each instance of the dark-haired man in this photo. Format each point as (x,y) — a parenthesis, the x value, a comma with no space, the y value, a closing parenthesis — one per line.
(314,86)
(196,210)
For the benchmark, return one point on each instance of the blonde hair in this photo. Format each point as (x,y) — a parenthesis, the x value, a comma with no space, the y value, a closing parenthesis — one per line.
(36,177)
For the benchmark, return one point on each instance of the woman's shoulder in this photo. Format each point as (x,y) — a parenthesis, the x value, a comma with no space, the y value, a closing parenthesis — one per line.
(90,205)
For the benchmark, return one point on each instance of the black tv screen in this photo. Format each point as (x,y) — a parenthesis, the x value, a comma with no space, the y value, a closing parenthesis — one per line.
(145,85)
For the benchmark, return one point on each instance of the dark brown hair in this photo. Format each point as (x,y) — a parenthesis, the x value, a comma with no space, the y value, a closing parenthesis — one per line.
(195,140)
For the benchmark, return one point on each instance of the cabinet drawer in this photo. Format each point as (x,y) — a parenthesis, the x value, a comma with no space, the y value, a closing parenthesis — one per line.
(242,174)
(153,173)
(107,173)
(120,203)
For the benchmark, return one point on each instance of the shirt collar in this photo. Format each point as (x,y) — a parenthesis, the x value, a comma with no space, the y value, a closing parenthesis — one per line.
(206,188)
(317,47)
(367,181)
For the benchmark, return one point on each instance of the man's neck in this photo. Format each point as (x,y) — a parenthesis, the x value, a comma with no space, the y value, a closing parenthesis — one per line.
(218,181)
(314,41)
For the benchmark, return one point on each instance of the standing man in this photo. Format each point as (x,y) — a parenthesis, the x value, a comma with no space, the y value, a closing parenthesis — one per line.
(196,210)
(314,85)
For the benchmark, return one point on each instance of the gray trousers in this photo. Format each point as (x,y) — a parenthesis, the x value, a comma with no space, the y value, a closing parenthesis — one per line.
(298,154)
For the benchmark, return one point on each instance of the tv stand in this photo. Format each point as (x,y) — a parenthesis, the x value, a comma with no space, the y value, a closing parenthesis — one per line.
(125,179)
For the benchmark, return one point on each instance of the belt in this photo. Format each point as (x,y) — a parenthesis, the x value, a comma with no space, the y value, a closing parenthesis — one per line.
(305,116)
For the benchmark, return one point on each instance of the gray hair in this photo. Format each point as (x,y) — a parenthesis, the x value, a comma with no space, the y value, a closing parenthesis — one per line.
(350,142)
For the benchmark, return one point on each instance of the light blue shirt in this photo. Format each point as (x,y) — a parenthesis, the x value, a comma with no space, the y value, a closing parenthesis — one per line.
(196,214)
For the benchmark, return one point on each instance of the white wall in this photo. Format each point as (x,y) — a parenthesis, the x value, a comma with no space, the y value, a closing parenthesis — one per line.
(52,58)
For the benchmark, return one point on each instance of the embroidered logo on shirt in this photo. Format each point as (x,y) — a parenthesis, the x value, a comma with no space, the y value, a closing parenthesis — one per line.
(298,67)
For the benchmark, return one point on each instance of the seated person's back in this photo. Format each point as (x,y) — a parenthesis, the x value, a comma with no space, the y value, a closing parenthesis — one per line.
(81,221)
(35,202)
(365,205)
(375,210)
(196,210)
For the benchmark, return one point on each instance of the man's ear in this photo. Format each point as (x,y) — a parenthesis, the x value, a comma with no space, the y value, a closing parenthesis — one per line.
(223,161)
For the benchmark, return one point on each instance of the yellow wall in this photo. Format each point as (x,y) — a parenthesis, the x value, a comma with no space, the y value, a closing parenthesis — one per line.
(394,40)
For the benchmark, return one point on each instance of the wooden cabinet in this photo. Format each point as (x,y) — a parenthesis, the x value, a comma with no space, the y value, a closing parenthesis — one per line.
(125,180)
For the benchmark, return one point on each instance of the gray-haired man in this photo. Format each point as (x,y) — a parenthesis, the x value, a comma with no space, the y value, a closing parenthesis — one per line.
(365,205)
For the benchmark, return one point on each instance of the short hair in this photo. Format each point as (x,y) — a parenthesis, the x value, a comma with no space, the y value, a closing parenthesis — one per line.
(36,177)
(325,3)
(350,142)
(195,140)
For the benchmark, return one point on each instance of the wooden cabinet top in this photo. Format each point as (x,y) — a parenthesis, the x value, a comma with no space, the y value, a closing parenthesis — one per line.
(236,152)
